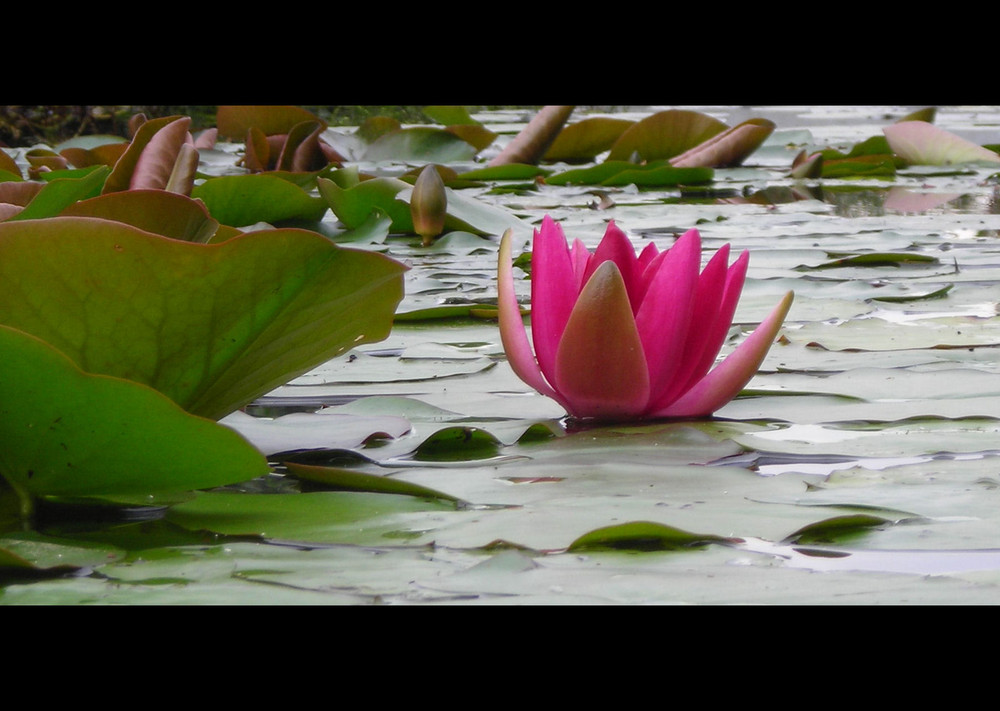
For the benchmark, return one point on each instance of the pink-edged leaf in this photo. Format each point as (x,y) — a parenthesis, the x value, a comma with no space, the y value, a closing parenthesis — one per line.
(729,148)
(155,164)
(534,139)
(922,143)
(126,167)
(729,377)
(185,170)
(600,367)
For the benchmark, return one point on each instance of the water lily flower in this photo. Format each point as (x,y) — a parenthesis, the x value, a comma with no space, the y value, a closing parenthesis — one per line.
(620,336)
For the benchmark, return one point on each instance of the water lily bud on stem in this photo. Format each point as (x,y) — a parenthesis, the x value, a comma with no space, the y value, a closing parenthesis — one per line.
(620,336)
(428,204)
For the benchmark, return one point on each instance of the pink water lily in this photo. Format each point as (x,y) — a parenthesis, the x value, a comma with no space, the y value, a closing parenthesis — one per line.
(620,336)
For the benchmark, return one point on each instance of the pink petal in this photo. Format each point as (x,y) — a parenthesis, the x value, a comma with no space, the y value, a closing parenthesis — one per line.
(729,377)
(664,317)
(616,247)
(580,257)
(600,367)
(552,292)
(512,332)
(715,303)
(647,255)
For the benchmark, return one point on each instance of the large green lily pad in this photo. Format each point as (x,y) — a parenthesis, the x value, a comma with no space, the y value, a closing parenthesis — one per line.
(70,433)
(211,326)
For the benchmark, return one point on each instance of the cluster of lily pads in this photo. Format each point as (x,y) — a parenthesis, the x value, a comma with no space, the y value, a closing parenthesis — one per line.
(150,287)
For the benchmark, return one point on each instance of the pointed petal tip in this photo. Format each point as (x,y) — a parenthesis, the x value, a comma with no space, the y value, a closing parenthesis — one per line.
(727,379)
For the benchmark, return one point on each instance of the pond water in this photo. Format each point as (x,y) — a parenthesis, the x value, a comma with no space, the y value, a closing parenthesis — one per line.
(861,465)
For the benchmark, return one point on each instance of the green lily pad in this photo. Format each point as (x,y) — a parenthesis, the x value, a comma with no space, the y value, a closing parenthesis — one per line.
(345,479)
(613,173)
(70,433)
(642,536)
(837,529)
(450,115)
(433,145)
(211,326)
(585,139)
(239,200)
(60,193)
(353,517)
(354,205)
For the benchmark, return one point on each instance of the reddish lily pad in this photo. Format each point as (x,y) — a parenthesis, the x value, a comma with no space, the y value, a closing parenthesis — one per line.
(156,211)
(234,121)
(586,139)
(727,149)
(159,157)
(665,134)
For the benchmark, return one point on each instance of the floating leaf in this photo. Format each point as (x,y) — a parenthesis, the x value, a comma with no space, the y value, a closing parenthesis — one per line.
(433,145)
(323,517)
(234,121)
(239,200)
(531,143)
(345,479)
(211,326)
(585,139)
(156,158)
(836,529)
(70,433)
(354,205)
(508,171)
(613,173)
(641,536)
(325,429)
(876,259)
(922,143)
(61,193)
(665,134)
(450,115)
(727,149)
(457,444)
(936,294)
(863,166)
(157,211)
